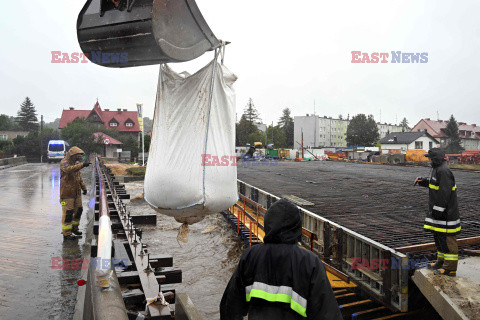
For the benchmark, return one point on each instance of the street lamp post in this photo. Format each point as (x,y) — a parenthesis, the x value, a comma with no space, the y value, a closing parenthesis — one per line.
(140,120)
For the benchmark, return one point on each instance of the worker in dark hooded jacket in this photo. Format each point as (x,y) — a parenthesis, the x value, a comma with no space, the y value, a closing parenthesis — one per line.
(443,218)
(278,279)
(71,186)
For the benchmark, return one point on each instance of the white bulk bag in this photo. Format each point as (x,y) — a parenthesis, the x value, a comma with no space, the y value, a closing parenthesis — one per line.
(190,121)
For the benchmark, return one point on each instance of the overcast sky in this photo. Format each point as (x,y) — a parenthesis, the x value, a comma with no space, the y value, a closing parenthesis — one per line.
(285,54)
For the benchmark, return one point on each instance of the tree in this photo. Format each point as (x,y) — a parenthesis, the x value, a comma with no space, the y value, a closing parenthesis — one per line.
(287,125)
(6,148)
(28,146)
(147,124)
(250,112)
(27,116)
(244,131)
(362,131)
(257,136)
(404,125)
(340,117)
(453,137)
(147,141)
(79,133)
(277,136)
(5,123)
(53,125)
(130,143)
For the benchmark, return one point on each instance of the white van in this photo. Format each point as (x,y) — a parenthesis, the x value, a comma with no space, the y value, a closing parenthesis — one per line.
(57,150)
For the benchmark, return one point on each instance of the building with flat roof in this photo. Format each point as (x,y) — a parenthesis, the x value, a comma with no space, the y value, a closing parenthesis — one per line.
(329,132)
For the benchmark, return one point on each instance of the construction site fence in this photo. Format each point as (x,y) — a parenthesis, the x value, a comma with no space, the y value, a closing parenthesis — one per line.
(347,251)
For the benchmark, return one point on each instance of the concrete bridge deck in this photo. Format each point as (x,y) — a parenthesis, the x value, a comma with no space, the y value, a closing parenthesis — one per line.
(453,298)
(30,237)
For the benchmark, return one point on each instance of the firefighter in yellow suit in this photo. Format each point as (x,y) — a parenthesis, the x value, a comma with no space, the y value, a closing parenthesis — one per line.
(71,187)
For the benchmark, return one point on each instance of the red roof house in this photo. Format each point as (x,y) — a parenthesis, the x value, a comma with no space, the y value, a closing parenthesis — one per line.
(111,146)
(469,133)
(120,119)
(106,139)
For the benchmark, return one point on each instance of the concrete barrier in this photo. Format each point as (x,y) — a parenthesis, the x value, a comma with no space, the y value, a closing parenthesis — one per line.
(185,309)
(12,162)
(102,304)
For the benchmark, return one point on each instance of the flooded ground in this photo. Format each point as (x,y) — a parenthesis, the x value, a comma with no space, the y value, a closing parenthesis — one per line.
(208,259)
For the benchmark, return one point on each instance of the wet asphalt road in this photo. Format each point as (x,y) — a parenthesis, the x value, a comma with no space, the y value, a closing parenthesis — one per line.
(30,237)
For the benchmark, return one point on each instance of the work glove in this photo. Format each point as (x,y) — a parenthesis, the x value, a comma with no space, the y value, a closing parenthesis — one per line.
(85,191)
(86,164)
(418,180)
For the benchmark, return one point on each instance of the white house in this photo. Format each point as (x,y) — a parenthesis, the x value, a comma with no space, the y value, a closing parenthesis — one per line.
(404,141)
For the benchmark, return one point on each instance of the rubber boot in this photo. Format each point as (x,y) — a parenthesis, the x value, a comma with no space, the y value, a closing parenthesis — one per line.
(69,237)
(445,272)
(437,265)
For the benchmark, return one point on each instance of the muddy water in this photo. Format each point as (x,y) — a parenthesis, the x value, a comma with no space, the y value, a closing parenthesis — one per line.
(208,259)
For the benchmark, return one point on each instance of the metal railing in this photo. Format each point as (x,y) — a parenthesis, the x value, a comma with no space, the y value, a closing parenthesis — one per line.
(378,270)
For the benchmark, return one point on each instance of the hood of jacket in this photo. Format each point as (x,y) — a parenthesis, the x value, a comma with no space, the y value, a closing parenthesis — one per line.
(73,151)
(283,223)
(437,156)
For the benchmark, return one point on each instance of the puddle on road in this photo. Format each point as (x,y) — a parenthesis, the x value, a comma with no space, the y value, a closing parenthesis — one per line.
(208,259)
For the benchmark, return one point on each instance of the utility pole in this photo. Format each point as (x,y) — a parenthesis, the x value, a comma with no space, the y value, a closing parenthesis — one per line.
(140,120)
(302,145)
(266,133)
(272,133)
(41,138)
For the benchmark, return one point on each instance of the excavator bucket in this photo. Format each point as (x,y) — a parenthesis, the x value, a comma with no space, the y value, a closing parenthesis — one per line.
(131,33)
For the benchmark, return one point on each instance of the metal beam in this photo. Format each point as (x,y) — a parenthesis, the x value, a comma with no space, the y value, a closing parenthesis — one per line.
(431,245)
